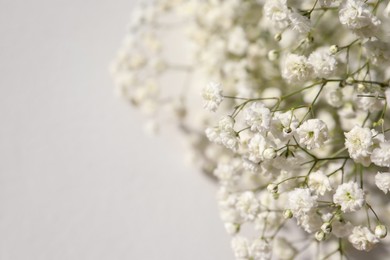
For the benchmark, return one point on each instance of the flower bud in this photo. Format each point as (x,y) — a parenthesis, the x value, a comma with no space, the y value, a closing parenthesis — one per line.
(334,49)
(232,228)
(269,153)
(349,80)
(287,214)
(380,231)
(273,188)
(361,88)
(326,227)
(273,55)
(278,37)
(320,236)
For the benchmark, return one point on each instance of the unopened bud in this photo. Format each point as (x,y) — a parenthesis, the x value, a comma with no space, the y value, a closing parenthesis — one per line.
(273,55)
(326,227)
(278,37)
(361,87)
(349,80)
(273,188)
(320,236)
(380,231)
(287,214)
(269,153)
(232,228)
(334,49)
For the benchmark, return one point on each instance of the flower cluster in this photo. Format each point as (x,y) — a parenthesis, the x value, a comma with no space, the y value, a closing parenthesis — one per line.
(296,121)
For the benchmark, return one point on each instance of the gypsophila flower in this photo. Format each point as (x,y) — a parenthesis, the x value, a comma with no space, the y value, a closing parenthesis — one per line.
(296,68)
(301,201)
(248,205)
(362,238)
(212,95)
(349,196)
(381,155)
(237,42)
(276,11)
(283,125)
(323,62)
(258,117)
(313,133)
(243,249)
(319,183)
(356,15)
(256,147)
(299,23)
(240,246)
(382,181)
(359,144)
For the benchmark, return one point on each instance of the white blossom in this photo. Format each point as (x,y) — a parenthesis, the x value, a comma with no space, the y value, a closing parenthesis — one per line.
(258,117)
(359,144)
(299,22)
(356,15)
(349,196)
(313,133)
(237,42)
(283,125)
(248,205)
(381,155)
(296,68)
(212,95)
(382,181)
(323,62)
(277,12)
(256,147)
(362,238)
(319,182)
(301,201)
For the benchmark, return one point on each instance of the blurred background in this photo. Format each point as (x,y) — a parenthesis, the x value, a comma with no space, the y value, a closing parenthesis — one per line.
(79,178)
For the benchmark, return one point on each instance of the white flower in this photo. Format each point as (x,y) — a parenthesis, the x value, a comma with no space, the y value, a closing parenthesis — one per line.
(356,15)
(258,117)
(382,181)
(341,228)
(359,144)
(283,125)
(334,97)
(319,183)
(295,68)
(349,196)
(259,249)
(237,42)
(301,201)
(248,205)
(309,221)
(232,228)
(300,23)
(212,95)
(227,134)
(240,246)
(256,147)
(228,173)
(277,12)
(329,3)
(312,133)
(381,155)
(212,133)
(323,62)
(362,238)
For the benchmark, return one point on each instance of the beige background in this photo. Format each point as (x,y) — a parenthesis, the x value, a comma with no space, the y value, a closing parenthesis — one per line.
(79,179)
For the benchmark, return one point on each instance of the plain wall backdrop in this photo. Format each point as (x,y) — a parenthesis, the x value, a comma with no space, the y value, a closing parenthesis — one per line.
(79,179)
